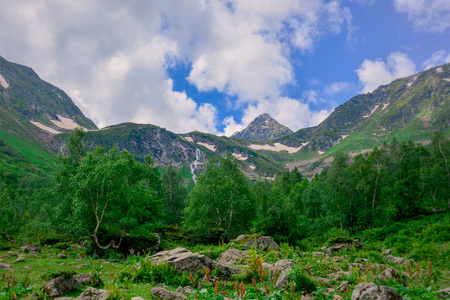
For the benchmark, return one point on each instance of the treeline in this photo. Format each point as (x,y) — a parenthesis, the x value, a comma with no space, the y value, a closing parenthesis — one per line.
(112,199)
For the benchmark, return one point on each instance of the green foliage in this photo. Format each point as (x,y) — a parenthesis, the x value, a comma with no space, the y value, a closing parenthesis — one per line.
(155,273)
(302,281)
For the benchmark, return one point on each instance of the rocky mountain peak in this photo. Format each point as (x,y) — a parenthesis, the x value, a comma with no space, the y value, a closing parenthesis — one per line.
(264,127)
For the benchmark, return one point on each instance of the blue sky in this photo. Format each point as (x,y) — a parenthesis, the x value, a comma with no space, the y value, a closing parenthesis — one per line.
(213,65)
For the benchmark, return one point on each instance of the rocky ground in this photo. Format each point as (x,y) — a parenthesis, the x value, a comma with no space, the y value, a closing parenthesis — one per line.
(248,268)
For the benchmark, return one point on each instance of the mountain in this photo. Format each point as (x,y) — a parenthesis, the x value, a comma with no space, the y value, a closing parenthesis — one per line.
(37,117)
(264,127)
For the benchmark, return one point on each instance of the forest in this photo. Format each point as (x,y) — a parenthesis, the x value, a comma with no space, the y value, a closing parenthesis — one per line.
(107,207)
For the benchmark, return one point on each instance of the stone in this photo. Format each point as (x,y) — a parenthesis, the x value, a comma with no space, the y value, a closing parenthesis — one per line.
(283,279)
(60,285)
(19,259)
(64,298)
(284,264)
(361,260)
(343,287)
(93,294)
(240,238)
(397,260)
(337,297)
(184,260)
(137,298)
(370,291)
(13,253)
(185,289)
(386,252)
(5,266)
(390,273)
(233,257)
(263,243)
(82,266)
(166,294)
(31,249)
(61,256)
(444,294)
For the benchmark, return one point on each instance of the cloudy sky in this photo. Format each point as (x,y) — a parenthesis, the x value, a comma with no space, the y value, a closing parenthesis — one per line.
(214,66)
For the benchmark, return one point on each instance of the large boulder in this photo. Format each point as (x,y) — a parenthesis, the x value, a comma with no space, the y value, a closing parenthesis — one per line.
(262,243)
(184,260)
(397,260)
(232,257)
(33,249)
(66,282)
(166,294)
(284,266)
(370,291)
(94,294)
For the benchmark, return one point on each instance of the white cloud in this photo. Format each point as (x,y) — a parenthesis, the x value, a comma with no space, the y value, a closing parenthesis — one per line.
(373,73)
(337,87)
(112,57)
(427,15)
(438,58)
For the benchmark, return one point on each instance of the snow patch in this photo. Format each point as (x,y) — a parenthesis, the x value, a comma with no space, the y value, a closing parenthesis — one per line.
(384,106)
(373,110)
(3,82)
(189,139)
(65,123)
(344,136)
(321,152)
(410,83)
(239,156)
(253,167)
(439,70)
(46,128)
(277,147)
(208,146)
(447,79)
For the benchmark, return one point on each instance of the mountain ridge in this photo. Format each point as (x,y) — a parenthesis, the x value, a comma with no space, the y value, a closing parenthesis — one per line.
(263,127)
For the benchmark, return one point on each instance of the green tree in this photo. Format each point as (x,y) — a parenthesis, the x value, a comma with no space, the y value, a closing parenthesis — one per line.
(221,201)
(174,195)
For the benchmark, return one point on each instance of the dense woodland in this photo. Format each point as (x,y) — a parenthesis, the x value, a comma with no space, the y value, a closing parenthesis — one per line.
(116,199)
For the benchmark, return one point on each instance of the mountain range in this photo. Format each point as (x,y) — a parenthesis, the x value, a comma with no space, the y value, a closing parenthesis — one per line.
(36,118)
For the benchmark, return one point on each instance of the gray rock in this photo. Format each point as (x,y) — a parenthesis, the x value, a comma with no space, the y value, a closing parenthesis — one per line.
(5,266)
(388,251)
(64,298)
(137,298)
(390,273)
(263,243)
(370,291)
(361,260)
(61,256)
(337,297)
(397,260)
(93,294)
(19,259)
(185,289)
(13,253)
(343,287)
(166,294)
(184,260)
(232,257)
(240,238)
(283,279)
(82,266)
(59,286)
(284,264)
(444,294)
(32,249)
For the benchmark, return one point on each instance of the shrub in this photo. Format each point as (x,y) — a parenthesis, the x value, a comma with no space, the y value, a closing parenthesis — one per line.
(302,281)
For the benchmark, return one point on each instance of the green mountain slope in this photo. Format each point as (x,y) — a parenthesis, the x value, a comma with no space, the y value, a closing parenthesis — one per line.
(264,127)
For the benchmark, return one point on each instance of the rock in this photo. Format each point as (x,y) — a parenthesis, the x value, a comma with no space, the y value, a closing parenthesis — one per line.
(390,273)
(317,253)
(86,279)
(137,298)
(82,266)
(166,294)
(343,287)
(19,259)
(284,264)
(64,298)
(31,249)
(444,294)
(386,252)
(184,260)
(4,256)
(263,243)
(322,281)
(59,286)
(61,264)
(398,260)
(283,279)
(240,238)
(337,297)
(163,286)
(369,291)
(338,247)
(5,266)
(268,267)
(338,276)
(13,253)
(361,260)
(232,257)
(61,256)
(93,294)
(185,289)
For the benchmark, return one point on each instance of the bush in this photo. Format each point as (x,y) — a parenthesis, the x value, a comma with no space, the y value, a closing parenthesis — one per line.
(302,281)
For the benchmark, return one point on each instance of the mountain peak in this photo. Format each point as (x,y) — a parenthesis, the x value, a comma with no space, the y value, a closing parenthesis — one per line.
(264,127)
